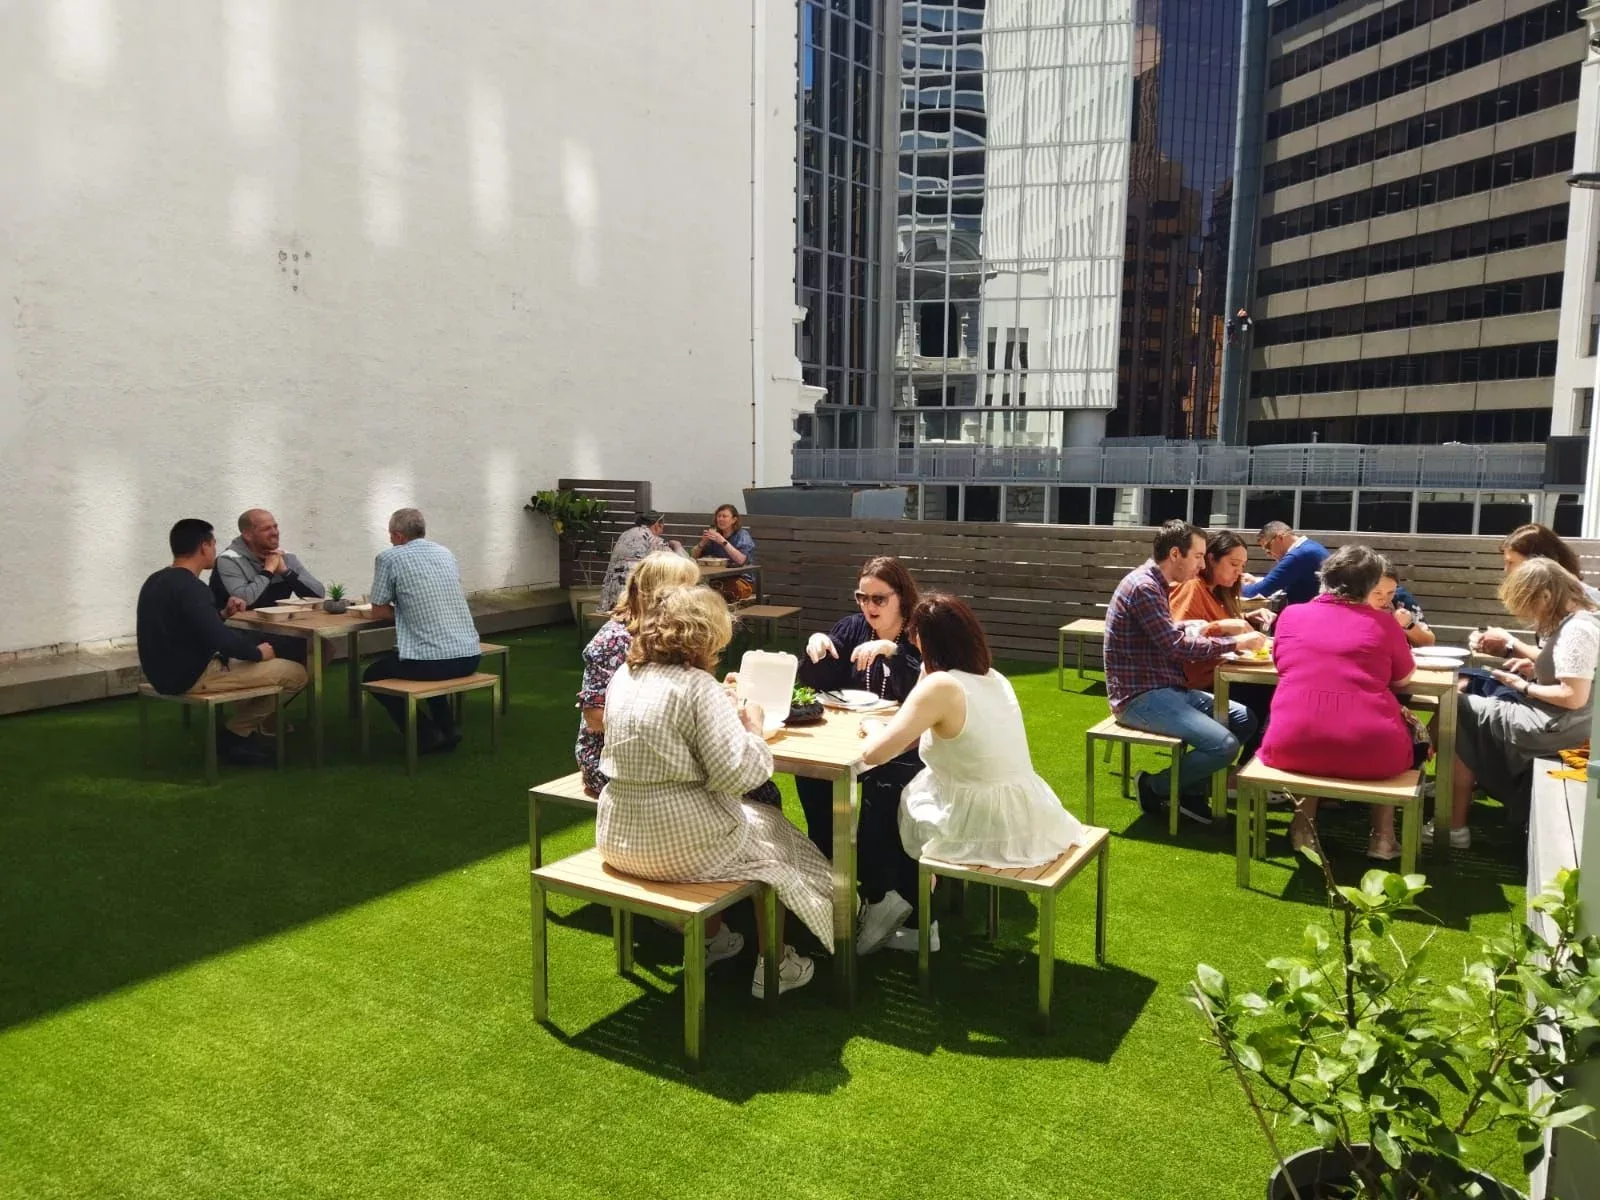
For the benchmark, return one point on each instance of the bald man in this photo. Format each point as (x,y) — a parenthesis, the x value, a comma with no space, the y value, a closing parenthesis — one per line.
(254,569)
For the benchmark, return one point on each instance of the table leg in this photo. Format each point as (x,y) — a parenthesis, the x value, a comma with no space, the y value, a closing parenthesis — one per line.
(1061,662)
(1444,771)
(352,661)
(1088,778)
(1080,656)
(844,884)
(1219,781)
(314,695)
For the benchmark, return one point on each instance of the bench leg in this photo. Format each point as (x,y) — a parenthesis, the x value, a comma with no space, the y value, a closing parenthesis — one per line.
(535,849)
(771,946)
(1243,812)
(1088,778)
(1172,799)
(1101,871)
(541,958)
(144,730)
(504,690)
(1047,956)
(411,735)
(497,707)
(622,939)
(694,989)
(352,680)
(994,913)
(458,708)
(958,895)
(1260,796)
(278,726)
(213,712)
(361,720)
(924,926)
(1127,770)
(1061,662)
(1410,834)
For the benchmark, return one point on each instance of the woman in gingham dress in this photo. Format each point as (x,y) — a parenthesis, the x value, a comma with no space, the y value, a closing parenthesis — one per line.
(679,756)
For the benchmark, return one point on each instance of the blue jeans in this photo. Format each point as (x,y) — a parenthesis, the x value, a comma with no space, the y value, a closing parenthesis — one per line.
(1184,713)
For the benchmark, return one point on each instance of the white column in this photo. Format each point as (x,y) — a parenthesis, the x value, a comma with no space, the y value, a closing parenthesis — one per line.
(1578,307)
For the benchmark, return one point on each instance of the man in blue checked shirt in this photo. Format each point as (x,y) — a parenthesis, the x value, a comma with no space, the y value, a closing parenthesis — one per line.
(417,583)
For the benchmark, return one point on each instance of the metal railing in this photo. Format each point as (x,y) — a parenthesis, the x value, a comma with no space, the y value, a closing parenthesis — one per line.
(1192,464)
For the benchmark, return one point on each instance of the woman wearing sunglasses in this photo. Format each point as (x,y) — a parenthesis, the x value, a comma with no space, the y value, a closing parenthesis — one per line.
(869,650)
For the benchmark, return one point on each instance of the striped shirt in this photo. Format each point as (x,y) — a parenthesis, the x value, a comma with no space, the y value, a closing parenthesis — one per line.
(431,617)
(1145,647)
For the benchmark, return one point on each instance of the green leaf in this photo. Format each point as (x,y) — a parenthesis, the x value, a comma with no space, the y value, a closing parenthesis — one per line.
(1211,982)
(1568,1115)
(1316,939)
(1383,1141)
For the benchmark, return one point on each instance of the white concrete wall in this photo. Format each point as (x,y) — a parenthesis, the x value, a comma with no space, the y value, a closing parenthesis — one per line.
(334,258)
(1580,295)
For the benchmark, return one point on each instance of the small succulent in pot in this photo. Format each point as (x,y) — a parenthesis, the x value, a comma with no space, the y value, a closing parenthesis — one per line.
(335,603)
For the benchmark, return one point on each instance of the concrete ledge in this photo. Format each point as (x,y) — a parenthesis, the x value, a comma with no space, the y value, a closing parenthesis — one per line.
(46,680)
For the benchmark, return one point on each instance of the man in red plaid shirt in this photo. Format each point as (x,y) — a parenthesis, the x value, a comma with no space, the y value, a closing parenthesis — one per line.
(1145,653)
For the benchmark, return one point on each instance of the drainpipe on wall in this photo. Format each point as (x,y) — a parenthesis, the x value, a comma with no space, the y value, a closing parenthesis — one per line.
(1242,230)
(758,224)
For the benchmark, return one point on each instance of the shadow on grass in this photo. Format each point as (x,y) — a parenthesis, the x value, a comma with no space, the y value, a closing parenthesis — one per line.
(111,874)
(982,1003)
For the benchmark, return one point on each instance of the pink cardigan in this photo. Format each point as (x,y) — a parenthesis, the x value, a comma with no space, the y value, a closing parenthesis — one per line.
(1333,712)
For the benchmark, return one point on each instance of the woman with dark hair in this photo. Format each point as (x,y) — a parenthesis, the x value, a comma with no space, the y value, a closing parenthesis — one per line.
(978,799)
(871,650)
(632,545)
(1335,712)
(728,538)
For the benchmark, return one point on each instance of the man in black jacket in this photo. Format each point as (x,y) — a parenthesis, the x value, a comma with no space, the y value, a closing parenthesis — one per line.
(185,648)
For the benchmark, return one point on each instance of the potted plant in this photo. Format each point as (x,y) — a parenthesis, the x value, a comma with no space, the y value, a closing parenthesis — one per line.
(336,603)
(576,520)
(1360,1039)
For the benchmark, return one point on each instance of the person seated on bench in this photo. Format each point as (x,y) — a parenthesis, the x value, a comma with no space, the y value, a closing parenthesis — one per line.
(1335,712)
(1146,650)
(978,800)
(185,649)
(679,754)
(1212,598)
(1296,559)
(870,651)
(1498,739)
(646,537)
(1407,612)
(728,538)
(255,570)
(417,584)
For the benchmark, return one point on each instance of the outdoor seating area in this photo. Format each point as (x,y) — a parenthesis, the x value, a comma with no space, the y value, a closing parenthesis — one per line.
(315,945)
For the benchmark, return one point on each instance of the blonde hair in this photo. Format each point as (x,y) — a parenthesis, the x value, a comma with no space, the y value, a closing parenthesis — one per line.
(686,626)
(650,576)
(1543,592)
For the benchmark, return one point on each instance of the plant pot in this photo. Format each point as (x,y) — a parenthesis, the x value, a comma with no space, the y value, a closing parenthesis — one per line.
(335,606)
(1311,1169)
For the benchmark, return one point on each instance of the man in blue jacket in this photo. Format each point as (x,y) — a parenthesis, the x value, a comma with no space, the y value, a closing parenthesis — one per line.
(1297,559)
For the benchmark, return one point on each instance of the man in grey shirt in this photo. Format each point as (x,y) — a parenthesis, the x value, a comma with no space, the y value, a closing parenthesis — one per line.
(254,569)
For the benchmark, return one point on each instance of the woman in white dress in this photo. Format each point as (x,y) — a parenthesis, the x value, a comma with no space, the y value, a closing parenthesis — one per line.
(679,756)
(977,801)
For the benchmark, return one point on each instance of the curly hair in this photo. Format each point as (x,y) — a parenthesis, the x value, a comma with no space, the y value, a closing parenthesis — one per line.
(650,576)
(686,626)
(1351,572)
(1543,592)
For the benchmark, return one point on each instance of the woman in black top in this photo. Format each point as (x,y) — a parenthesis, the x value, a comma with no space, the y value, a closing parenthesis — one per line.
(869,650)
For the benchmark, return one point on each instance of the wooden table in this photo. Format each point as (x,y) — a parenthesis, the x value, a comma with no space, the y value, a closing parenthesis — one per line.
(312,626)
(1083,627)
(710,572)
(1427,681)
(832,751)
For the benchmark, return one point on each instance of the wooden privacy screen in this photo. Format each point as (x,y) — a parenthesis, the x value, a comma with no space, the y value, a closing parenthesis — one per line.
(624,498)
(1025,581)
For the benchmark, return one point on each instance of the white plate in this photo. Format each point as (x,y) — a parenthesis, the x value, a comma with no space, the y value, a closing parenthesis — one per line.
(281,611)
(854,700)
(1443,651)
(1235,656)
(1437,664)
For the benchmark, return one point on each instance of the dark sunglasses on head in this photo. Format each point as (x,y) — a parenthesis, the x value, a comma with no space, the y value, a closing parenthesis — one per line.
(877,600)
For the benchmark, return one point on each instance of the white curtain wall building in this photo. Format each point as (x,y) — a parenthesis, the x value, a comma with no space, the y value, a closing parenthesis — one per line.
(335,259)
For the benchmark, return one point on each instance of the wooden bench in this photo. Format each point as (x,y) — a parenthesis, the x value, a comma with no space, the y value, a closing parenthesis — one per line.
(1256,780)
(503,653)
(414,691)
(1047,881)
(1109,731)
(566,790)
(771,614)
(586,876)
(210,702)
(1082,628)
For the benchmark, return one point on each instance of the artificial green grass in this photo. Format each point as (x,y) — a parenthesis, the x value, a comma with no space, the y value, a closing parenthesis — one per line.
(316,984)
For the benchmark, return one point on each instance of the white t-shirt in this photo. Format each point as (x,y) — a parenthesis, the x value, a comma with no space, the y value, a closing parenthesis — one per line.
(1576,647)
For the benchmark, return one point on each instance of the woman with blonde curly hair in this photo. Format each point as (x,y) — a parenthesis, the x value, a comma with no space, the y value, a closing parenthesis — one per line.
(679,756)
(1547,709)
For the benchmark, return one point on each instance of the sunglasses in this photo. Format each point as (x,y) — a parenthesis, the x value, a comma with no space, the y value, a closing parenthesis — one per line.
(877,600)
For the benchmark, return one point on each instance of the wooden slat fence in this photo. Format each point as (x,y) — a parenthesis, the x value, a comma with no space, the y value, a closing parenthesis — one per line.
(624,498)
(1027,580)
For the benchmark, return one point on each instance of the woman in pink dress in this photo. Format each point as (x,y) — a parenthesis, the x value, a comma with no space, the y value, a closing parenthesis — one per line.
(1335,712)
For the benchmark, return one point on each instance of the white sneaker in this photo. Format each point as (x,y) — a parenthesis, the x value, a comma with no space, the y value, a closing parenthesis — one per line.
(1460,839)
(880,920)
(725,943)
(793,972)
(909,940)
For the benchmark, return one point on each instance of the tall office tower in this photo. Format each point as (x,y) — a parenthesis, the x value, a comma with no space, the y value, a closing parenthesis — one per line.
(1013,161)
(839,260)
(1413,206)
(1180,188)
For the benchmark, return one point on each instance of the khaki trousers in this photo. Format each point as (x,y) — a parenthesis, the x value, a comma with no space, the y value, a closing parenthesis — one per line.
(249,716)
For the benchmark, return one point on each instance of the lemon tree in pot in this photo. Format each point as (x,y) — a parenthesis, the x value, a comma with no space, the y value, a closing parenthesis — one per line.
(1398,1062)
(575,520)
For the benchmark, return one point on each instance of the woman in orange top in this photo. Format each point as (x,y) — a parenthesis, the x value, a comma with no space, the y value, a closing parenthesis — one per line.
(1213,597)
